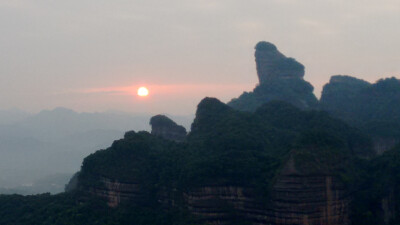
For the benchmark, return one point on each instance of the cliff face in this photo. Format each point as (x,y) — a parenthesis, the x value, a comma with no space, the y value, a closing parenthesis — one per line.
(225,204)
(295,199)
(164,127)
(317,200)
(309,199)
(116,192)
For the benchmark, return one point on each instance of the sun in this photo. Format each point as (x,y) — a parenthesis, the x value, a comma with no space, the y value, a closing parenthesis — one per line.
(143,91)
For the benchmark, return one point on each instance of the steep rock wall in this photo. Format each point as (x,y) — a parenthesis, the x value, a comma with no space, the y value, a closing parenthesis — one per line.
(303,200)
(224,204)
(310,200)
(295,199)
(115,191)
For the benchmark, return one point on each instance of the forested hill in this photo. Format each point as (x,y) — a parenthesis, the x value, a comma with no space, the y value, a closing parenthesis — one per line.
(361,103)
(374,108)
(230,157)
(227,152)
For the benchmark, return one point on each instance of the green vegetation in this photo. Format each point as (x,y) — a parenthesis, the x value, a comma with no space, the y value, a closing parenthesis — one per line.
(75,209)
(228,147)
(378,199)
(373,107)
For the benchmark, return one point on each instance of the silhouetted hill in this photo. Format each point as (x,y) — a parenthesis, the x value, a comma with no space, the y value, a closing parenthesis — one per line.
(280,78)
(163,126)
(337,96)
(374,108)
(228,152)
(359,102)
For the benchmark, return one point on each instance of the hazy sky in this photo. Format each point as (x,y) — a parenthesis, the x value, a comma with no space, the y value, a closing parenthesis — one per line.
(92,55)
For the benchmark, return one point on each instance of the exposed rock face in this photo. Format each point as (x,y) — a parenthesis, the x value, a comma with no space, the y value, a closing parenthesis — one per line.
(222,204)
(272,64)
(164,127)
(309,199)
(303,200)
(115,192)
(295,199)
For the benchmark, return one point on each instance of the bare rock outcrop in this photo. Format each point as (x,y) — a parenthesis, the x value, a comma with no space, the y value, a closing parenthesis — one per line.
(308,199)
(272,64)
(115,192)
(295,199)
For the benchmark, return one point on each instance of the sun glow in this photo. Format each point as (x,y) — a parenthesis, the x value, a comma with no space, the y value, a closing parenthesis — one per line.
(143,91)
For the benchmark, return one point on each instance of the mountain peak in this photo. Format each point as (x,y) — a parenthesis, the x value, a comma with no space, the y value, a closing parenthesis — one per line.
(272,64)
(164,127)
